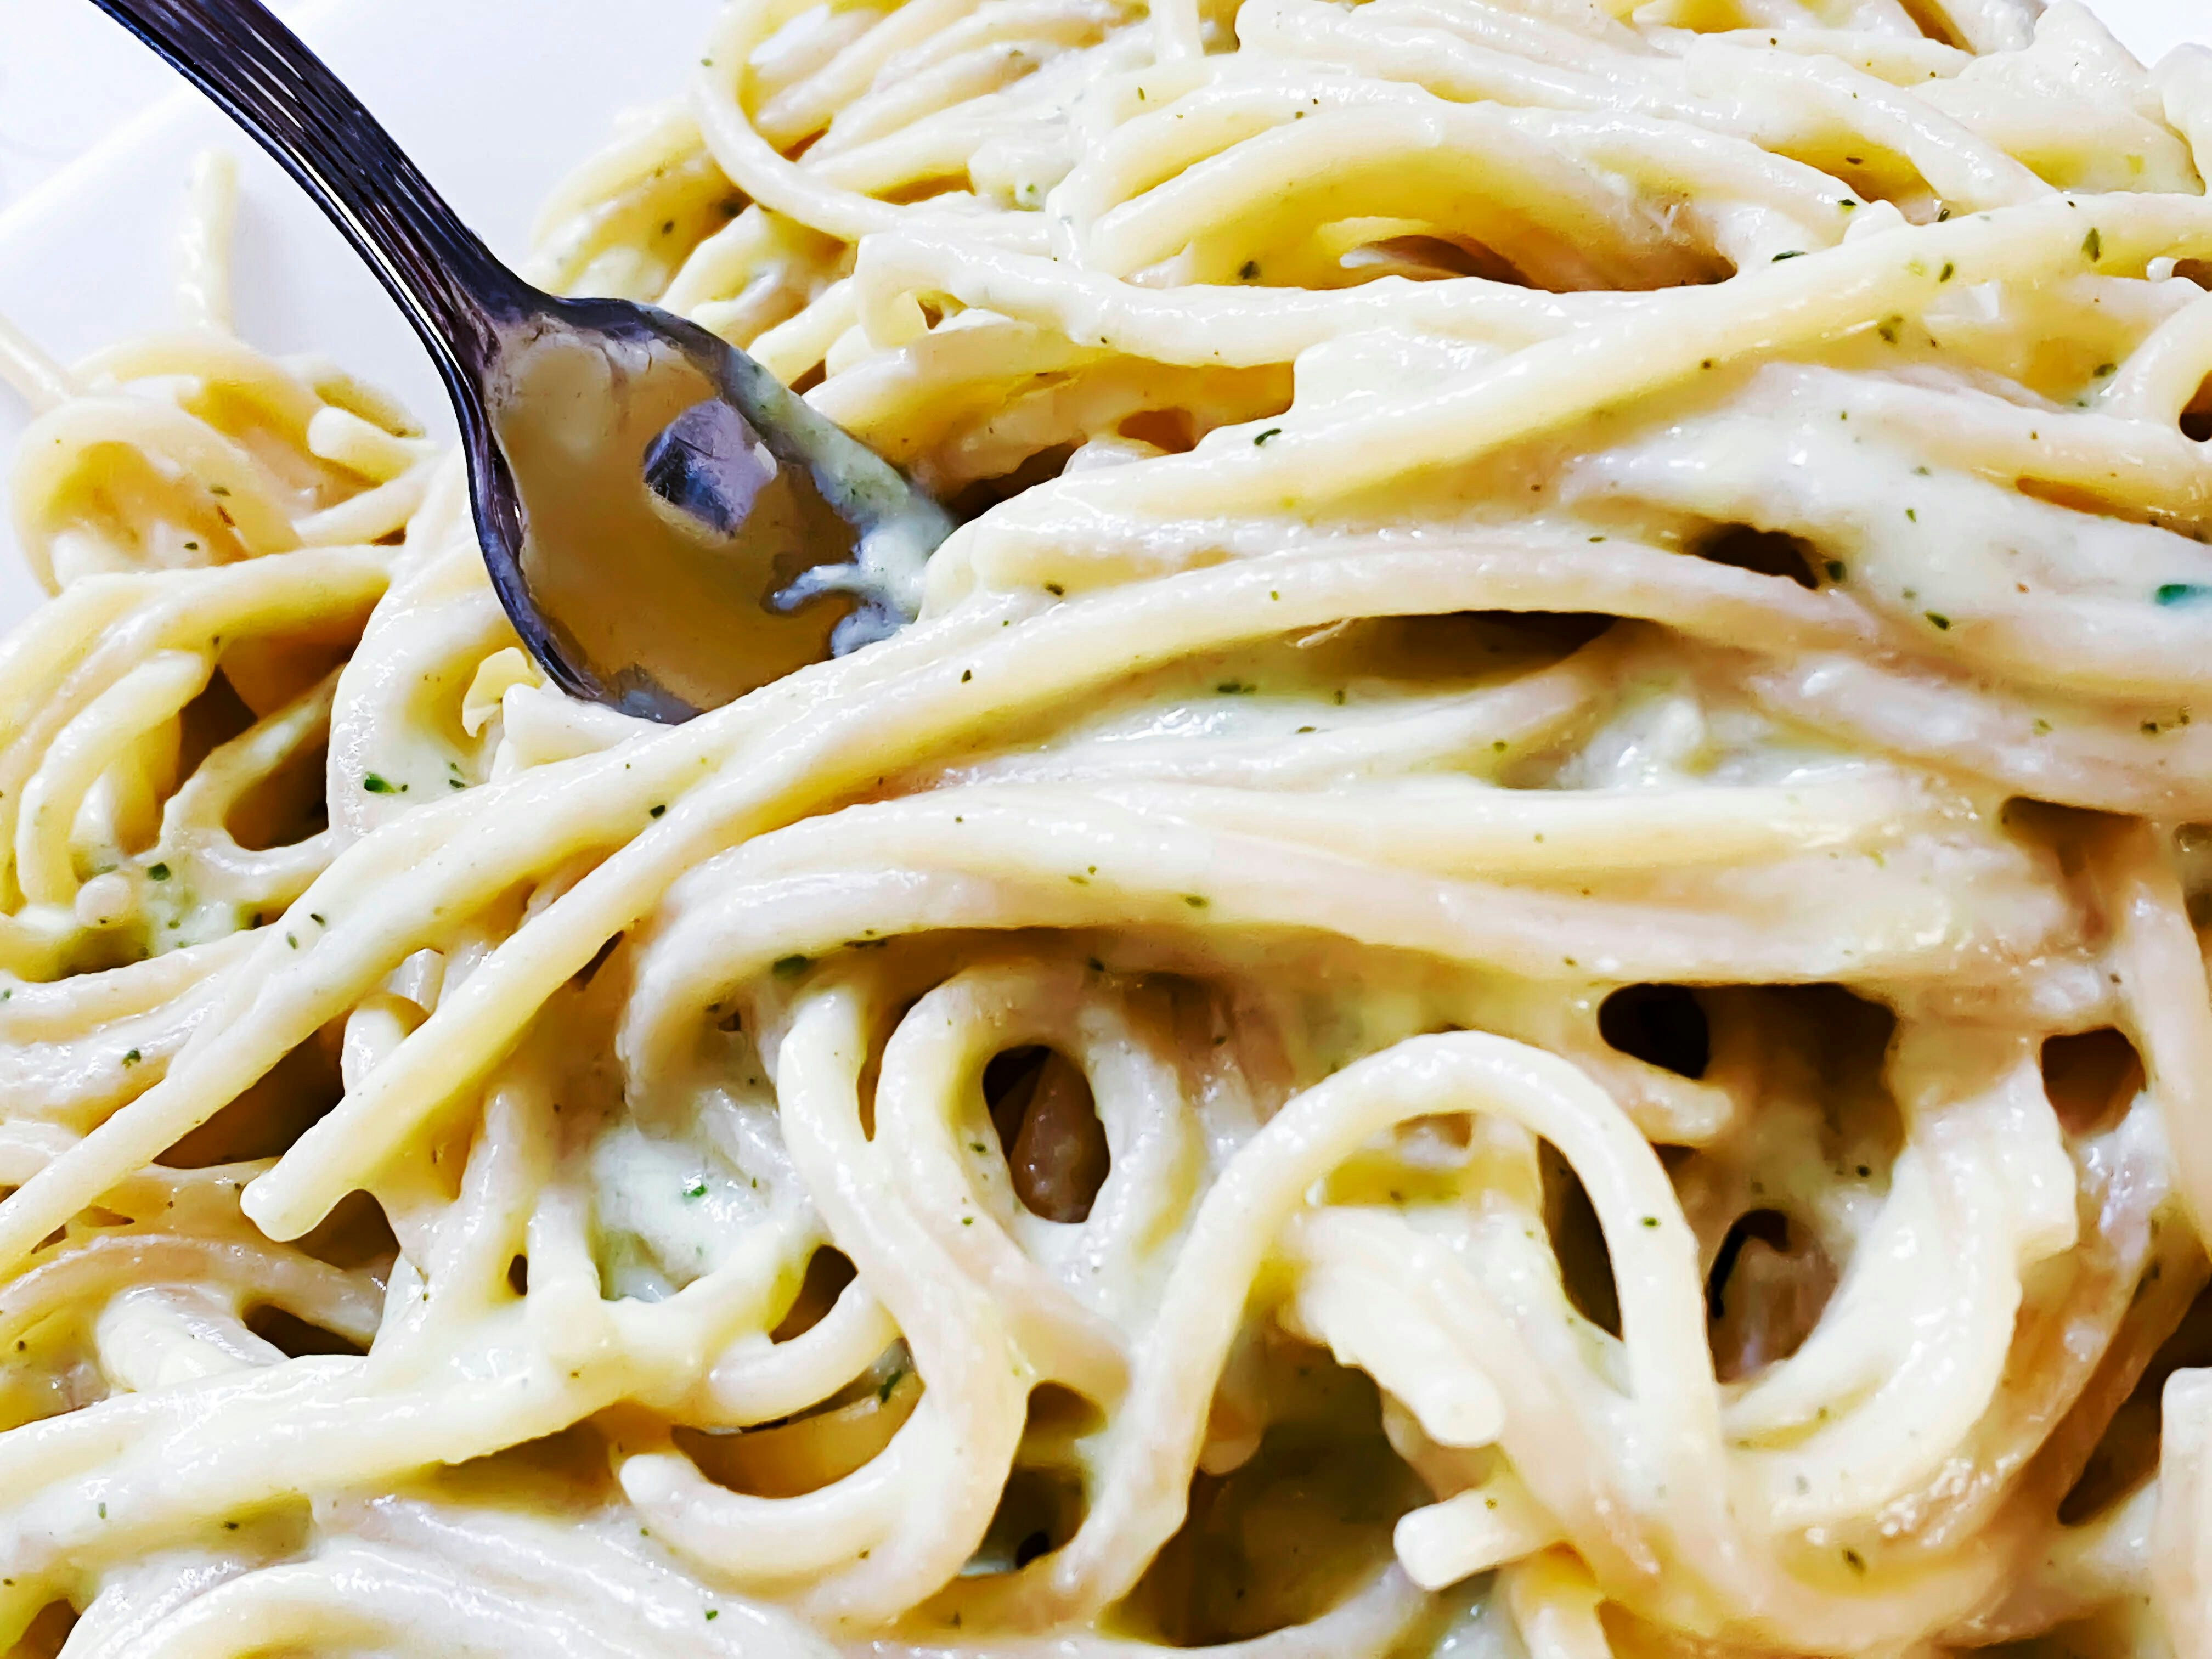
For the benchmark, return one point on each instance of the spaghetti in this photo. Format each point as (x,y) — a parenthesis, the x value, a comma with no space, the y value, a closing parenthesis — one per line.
(1511,967)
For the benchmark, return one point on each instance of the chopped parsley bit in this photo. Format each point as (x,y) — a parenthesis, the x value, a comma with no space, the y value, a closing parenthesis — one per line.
(1790,253)
(316,916)
(2181,593)
(1247,271)
(1597,538)
(666,226)
(230,1526)
(1948,271)
(1081,881)
(1852,1558)
(1922,472)
(1848,207)
(1054,589)
(884,1388)
(967,1220)
(2102,370)
(293,940)
(655,811)
(1272,432)
(2150,728)
(696,1189)
(1912,515)
(714,1613)
(2094,246)
(1235,688)
(1651,1220)
(1836,570)
(191,547)
(132,1058)
(2042,728)
(1887,328)
(787,966)
(1941,213)
(966,675)
(217,489)
(103,1511)
(1938,617)
(161,872)
(378,785)
(1197,902)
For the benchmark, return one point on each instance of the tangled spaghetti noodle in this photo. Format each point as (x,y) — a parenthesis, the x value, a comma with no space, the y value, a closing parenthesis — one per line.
(1510,968)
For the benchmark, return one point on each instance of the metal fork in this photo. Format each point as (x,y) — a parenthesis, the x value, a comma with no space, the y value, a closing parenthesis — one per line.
(666,524)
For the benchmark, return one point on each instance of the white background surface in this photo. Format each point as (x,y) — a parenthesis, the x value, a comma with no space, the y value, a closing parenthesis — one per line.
(496,99)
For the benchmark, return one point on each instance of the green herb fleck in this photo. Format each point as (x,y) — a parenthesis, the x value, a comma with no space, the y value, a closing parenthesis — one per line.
(1196,901)
(1948,271)
(161,872)
(786,967)
(2094,246)
(378,785)
(1235,688)
(1836,570)
(696,1189)
(656,810)
(1272,432)
(132,1058)
(1938,617)
(1248,270)
(2181,593)
(1790,253)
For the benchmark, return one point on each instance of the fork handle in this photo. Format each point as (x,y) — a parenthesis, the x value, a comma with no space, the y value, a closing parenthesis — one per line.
(265,78)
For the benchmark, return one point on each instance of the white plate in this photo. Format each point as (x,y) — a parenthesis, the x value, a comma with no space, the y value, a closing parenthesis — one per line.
(496,99)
